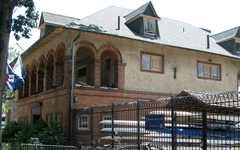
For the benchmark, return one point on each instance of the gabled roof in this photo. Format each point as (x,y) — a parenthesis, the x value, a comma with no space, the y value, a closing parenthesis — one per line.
(147,9)
(56,19)
(228,34)
(173,33)
(229,100)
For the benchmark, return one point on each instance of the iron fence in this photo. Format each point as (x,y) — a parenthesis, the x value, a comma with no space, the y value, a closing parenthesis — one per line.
(189,121)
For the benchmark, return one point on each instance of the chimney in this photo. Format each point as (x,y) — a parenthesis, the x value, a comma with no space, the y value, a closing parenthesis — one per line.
(208,42)
(118,22)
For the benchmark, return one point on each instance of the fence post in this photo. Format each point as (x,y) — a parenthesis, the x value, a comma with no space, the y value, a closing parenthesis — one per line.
(75,126)
(91,125)
(173,123)
(112,125)
(204,128)
(138,115)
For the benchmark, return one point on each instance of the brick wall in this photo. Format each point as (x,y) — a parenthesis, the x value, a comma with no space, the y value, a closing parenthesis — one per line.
(58,100)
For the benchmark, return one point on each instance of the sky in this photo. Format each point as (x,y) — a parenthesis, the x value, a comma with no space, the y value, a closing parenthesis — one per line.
(214,15)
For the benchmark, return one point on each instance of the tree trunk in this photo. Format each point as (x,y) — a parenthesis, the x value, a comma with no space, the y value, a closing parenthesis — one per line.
(6,10)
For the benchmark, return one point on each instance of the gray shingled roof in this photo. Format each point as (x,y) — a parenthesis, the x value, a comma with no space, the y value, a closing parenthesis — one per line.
(172,33)
(226,34)
(57,19)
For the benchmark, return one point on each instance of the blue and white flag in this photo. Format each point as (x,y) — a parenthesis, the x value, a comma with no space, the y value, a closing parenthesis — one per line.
(9,79)
(18,70)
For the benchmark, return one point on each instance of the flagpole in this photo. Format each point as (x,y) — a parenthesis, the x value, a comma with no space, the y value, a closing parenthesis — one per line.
(37,65)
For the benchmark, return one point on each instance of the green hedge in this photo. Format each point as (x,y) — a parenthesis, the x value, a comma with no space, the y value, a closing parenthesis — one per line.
(47,133)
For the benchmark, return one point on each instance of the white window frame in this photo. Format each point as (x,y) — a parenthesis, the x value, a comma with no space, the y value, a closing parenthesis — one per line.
(107,118)
(149,23)
(84,122)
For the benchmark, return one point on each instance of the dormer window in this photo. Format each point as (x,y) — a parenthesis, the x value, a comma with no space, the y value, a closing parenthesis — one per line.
(144,21)
(238,47)
(149,26)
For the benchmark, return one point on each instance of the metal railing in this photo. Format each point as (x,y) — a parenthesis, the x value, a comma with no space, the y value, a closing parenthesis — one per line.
(192,120)
(24,146)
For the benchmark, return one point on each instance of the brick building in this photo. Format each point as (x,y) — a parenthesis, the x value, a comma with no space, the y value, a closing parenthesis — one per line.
(118,55)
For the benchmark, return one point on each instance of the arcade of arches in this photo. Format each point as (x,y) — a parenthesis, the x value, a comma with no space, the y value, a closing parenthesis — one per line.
(98,68)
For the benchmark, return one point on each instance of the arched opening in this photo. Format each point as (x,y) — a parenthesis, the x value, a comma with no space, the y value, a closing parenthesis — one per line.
(40,76)
(26,85)
(107,69)
(60,65)
(20,92)
(49,70)
(83,66)
(33,79)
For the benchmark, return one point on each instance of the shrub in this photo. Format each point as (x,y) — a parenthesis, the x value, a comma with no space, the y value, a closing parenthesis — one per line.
(47,134)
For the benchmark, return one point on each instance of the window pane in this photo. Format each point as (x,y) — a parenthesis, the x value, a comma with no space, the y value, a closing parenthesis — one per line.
(214,72)
(149,26)
(200,70)
(107,125)
(145,62)
(83,122)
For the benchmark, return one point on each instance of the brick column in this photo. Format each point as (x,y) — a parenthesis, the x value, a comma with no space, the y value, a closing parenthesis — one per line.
(96,73)
(36,82)
(68,70)
(119,74)
(45,80)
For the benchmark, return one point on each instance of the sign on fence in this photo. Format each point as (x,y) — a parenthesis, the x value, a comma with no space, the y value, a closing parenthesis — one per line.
(155,122)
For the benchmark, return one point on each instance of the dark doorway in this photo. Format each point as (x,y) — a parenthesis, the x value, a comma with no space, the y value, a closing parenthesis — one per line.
(35,118)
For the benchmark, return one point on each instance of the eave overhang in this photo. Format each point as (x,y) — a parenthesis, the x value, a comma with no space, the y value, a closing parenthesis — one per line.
(59,30)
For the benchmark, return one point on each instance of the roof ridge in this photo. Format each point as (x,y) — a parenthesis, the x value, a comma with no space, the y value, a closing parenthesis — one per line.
(226,31)
(138,8)
(110,6)
(60,15)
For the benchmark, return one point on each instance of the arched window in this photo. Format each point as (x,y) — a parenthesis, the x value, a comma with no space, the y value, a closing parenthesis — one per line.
(59,65)
(83,66)
(107,70)
(26,85)
(33,80)
(49,70)
(41,76)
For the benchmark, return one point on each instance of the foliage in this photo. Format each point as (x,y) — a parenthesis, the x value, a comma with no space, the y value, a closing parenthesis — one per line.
(22,24)
(52,134)
(47,134)
(10,130)
(12,53)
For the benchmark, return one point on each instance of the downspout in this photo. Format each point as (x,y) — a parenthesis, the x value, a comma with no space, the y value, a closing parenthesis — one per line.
(73,52)
(71,98)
